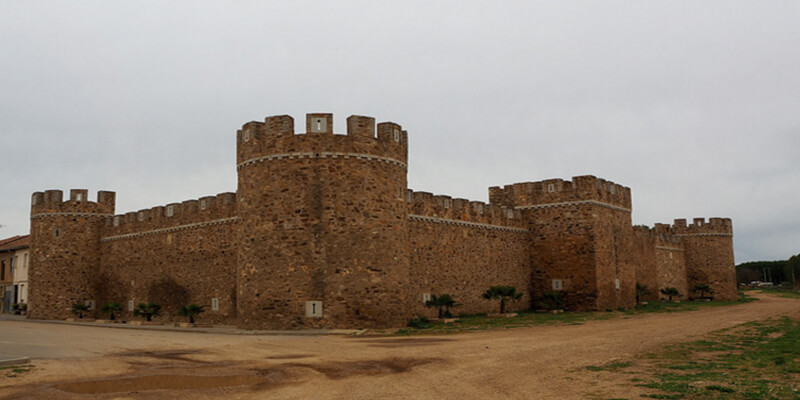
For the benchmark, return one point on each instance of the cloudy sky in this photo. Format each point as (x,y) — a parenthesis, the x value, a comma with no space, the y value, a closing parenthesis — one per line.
(694,105)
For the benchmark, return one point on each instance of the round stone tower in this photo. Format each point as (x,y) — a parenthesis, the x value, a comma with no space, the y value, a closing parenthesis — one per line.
(709,255)
(322,232)
(65,250)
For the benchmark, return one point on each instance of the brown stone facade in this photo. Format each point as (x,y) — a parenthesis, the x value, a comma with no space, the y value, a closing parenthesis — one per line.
(324,233)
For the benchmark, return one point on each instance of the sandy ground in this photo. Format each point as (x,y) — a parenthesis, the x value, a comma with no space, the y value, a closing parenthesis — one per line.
(79,362)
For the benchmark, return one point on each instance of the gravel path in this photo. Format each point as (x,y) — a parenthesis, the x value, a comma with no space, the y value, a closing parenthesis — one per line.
(524,363)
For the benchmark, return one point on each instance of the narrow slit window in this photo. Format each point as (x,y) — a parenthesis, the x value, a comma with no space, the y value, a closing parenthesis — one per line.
(170,210)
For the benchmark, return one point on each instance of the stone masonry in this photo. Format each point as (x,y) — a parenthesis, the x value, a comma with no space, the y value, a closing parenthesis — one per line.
(323,232)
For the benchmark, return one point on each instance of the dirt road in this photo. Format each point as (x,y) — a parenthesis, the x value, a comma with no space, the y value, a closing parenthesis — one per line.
(524,363)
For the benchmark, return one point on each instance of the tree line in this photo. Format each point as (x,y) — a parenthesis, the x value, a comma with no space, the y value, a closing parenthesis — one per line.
(777,272)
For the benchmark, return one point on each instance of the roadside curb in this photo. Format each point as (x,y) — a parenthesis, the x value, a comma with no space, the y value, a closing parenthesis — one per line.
(211,330)
(14,361)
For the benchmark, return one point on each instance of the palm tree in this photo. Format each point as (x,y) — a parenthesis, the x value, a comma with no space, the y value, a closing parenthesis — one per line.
(671,292)
(110,308)
(703,288)
(79,308)
(190,311)
(147,310)
(502,293)
(641,291)
(443,302)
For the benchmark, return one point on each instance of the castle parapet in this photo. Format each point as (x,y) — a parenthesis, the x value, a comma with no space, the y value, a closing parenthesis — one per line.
(275,139)
(559,191)
(425,204)
(204,209)
(699,226)
(52,202)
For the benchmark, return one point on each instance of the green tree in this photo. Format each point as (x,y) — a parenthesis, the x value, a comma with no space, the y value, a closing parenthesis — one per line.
(670,292)
(703,288)
(190,311)
(79,308)
(443,303)
(793,265)
(147,310)
(111,308)
(641,291)
(504,294)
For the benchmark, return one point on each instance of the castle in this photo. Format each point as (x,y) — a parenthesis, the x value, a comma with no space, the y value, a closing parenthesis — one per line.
(323,232)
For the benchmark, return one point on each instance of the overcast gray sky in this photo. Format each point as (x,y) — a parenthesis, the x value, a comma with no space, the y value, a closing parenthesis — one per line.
(693,105)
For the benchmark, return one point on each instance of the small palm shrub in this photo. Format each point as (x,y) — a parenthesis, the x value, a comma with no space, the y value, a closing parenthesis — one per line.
(111,309)
(190,311)
(79,308)
(147,310)
(443,302)
(504,294)
(670,292)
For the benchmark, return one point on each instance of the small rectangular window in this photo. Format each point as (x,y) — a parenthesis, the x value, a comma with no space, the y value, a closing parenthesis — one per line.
(79,197)
(140,216)
(616,283)
(90,304)
(130,305)
(215,304)
(551,188)
(426,297)
(170,210)
(116,221)
(447,203)
(557,284)
(202,204)
(396,135)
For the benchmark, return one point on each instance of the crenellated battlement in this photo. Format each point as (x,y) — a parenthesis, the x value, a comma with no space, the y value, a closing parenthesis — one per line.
(51,202)
(275,139)
(699,226)
(205,209)
(553,192)
(447,208)
(663,237)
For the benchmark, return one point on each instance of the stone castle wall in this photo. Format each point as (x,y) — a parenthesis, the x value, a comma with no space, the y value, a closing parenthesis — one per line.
(65,241)
(581,235)
(462,248)
(709,255)
(660,261)
(323,218)
(173,255)
(323,232)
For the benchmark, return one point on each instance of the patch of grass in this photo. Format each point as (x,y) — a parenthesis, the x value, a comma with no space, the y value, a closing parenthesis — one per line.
(12,371)
(472,322)
(719,388)
(615,366)
(756,361)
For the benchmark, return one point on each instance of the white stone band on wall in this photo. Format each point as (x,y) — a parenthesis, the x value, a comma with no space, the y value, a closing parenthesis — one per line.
(465,223)
(170,229)
(321,154)
(569,203)
(703,234)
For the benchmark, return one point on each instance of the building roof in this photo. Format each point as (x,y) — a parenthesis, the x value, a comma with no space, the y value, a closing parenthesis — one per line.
(15,243)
